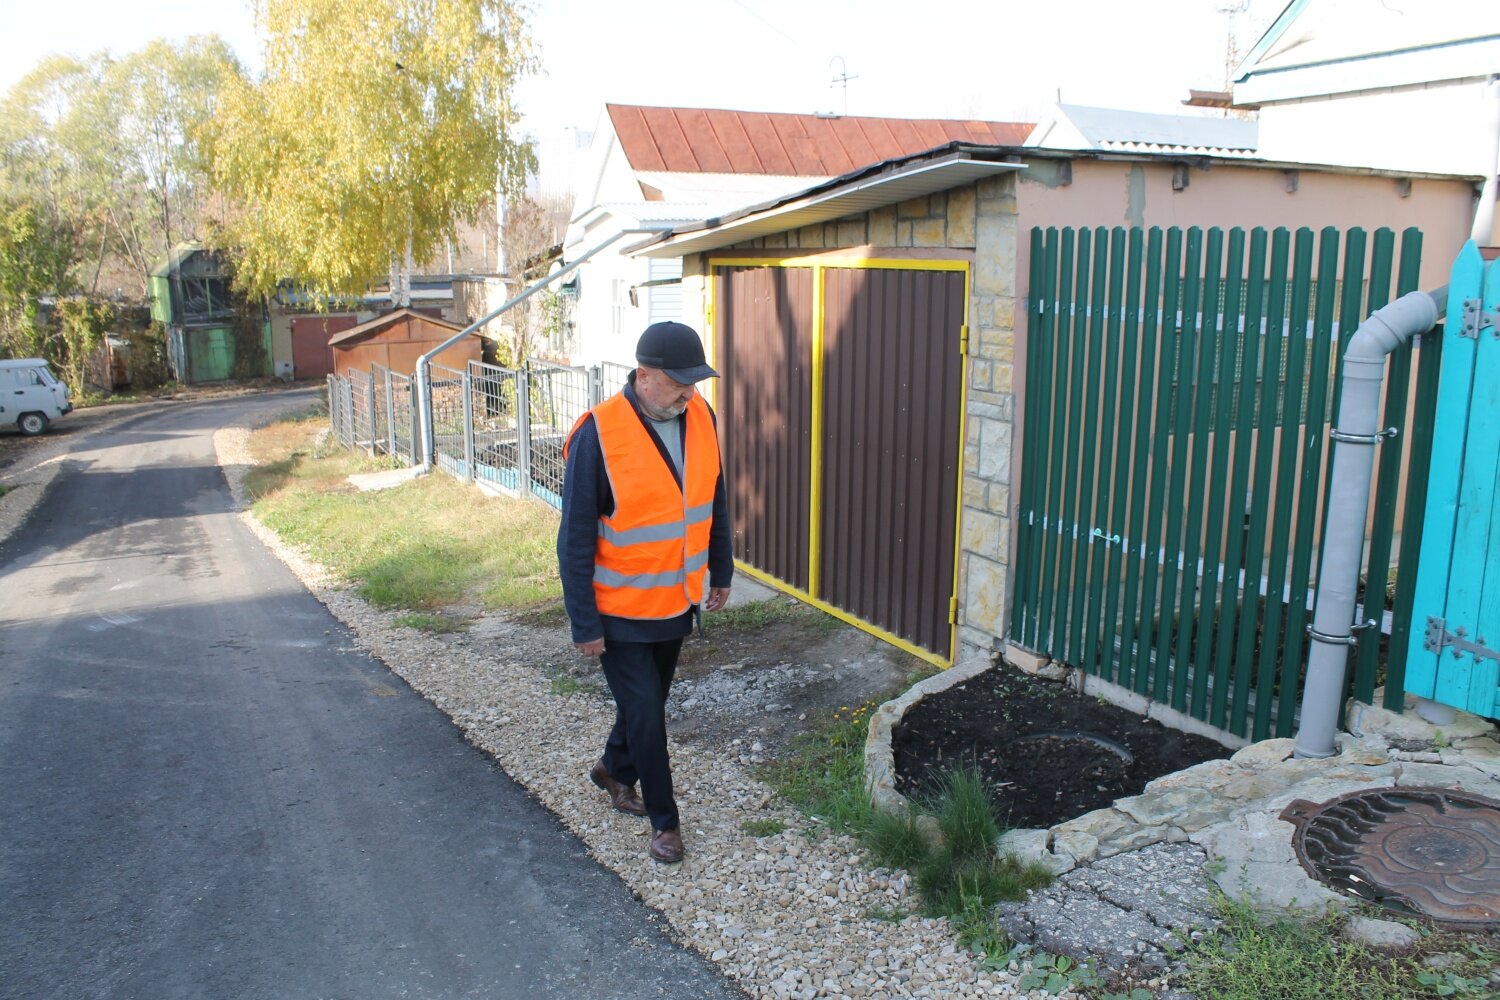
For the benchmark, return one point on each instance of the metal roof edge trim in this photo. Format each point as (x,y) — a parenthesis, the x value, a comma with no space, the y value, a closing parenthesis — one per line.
(1142,156)
(827,197)
(1416,67)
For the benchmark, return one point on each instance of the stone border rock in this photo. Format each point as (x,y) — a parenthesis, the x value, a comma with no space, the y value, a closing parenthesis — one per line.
(880,759)
(1231,807)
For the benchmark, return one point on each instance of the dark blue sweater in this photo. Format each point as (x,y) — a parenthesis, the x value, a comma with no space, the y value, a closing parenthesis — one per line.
(586,498)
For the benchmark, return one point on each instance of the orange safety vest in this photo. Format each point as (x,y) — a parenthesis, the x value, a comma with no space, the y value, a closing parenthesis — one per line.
(652,553)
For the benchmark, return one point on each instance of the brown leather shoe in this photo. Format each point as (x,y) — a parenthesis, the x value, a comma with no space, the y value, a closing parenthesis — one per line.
(666,846)
(622,797)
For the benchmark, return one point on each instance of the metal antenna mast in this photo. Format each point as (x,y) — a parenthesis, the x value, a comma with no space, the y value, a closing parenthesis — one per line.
(842,78)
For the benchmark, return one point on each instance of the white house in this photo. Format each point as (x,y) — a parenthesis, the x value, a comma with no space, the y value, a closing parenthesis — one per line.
(1386,84)
(656,168)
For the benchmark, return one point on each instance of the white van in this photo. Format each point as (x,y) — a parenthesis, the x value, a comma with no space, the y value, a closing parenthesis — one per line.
(31,397)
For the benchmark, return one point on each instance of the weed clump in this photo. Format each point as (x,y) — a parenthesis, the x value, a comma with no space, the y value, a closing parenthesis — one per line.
(960,878)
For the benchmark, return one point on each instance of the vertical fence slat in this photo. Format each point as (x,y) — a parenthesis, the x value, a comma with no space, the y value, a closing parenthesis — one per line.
(1038,304)
(1207,347)
(1122,484)
(1103,371)
(1052,537)
(1309,511)
(1068,512)
(1419,458)
(1281,525)
(1212,614)
(1083,425)
(1235,595)
(1151,325)
(1388,465)
(1180,400)
(1151,673)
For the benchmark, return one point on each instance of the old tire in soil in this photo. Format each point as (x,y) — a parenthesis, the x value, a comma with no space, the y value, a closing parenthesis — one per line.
(32,424)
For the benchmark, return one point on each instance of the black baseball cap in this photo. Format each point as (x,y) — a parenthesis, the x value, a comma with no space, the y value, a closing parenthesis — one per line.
(676,350)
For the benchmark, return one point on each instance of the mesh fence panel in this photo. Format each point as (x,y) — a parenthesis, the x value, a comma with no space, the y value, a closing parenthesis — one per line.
(335,411)
(361,408)
(381,414)
(448,420)
(612,377)
(402,410)
(558,396)
(493,414)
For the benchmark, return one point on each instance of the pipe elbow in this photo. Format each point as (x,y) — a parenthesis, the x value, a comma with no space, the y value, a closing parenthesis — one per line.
(1392,325)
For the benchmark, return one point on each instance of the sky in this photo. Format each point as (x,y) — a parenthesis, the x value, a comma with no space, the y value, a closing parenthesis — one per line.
(1003,60)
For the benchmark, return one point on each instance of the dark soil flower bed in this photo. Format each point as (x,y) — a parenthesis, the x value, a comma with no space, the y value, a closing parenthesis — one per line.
(1046,753)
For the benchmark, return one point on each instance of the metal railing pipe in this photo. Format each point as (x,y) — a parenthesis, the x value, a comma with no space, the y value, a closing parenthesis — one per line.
(424,363)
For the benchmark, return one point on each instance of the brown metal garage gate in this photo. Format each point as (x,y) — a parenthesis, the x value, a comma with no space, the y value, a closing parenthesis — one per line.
(841,410)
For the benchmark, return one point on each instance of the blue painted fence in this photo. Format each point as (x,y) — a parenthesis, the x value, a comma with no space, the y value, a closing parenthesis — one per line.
(1453,655)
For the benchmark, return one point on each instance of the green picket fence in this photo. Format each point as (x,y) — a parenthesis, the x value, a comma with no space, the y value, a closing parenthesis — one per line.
(1175,448)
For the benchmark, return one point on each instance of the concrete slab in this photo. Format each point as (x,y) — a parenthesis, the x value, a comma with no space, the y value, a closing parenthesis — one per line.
(384,479)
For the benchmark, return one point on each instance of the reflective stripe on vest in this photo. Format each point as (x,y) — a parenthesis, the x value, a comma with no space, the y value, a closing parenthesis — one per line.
(652,554)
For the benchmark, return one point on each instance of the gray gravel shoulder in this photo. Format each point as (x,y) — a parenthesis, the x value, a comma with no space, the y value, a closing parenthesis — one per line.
(782,915)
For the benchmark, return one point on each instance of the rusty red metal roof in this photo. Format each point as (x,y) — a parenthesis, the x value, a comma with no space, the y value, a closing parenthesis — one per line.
(705,140)
(373,326)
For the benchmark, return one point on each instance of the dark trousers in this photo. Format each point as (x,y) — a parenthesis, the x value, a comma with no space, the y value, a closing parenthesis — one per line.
(639,676)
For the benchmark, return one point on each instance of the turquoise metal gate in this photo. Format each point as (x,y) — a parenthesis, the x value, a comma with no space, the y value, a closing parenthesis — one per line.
(1454,650)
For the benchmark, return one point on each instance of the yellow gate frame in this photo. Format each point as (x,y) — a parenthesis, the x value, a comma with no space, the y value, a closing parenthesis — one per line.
(815,505)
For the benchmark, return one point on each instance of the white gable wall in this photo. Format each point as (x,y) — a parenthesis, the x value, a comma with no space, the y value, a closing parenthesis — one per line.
(1442,128)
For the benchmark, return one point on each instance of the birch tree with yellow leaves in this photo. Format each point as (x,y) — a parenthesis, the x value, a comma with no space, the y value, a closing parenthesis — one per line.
(376,126)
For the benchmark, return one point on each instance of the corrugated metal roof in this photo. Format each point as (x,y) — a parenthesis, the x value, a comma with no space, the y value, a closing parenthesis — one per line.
(381,322)
(1143,132)
(860,191)
(706,140)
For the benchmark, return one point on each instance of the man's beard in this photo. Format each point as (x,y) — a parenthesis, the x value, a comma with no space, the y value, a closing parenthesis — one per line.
(671,413)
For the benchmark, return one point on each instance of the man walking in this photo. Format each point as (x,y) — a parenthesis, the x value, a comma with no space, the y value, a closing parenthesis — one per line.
(644,519)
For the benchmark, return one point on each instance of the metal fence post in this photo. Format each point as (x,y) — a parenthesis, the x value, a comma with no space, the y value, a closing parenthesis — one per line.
(390,414)
(349,428)
(523,431)
(468,384)
(413,389)
(370,408)
(596,385)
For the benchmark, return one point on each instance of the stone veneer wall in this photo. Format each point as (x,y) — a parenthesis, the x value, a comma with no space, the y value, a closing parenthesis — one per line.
(977,219)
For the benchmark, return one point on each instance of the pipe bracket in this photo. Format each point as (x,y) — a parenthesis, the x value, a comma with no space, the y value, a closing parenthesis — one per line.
(1371,439)
(1332,640)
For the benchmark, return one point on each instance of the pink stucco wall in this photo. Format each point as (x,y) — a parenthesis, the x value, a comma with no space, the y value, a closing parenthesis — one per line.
(1123,193)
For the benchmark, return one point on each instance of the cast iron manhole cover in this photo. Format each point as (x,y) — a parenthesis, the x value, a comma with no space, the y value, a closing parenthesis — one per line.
(1431,852)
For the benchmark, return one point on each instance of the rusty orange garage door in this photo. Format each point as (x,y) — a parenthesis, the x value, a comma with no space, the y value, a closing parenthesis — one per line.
(311,356)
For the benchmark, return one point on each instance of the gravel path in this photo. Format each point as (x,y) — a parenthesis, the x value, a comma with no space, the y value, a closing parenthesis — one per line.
(783,916)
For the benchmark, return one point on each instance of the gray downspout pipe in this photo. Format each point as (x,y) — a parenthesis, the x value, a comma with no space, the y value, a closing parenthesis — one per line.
(424,363)
(1356,432)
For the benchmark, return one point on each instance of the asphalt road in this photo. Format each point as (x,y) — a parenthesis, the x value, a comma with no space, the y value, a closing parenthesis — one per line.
(208,792)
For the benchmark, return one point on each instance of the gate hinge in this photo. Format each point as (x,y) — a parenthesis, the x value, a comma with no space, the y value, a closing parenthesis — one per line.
(1438,636)
(952,611)
(963,340)
(1476,318)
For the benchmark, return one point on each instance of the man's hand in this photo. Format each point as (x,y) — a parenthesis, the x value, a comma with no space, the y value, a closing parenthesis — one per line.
(595,648)
(717,598)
